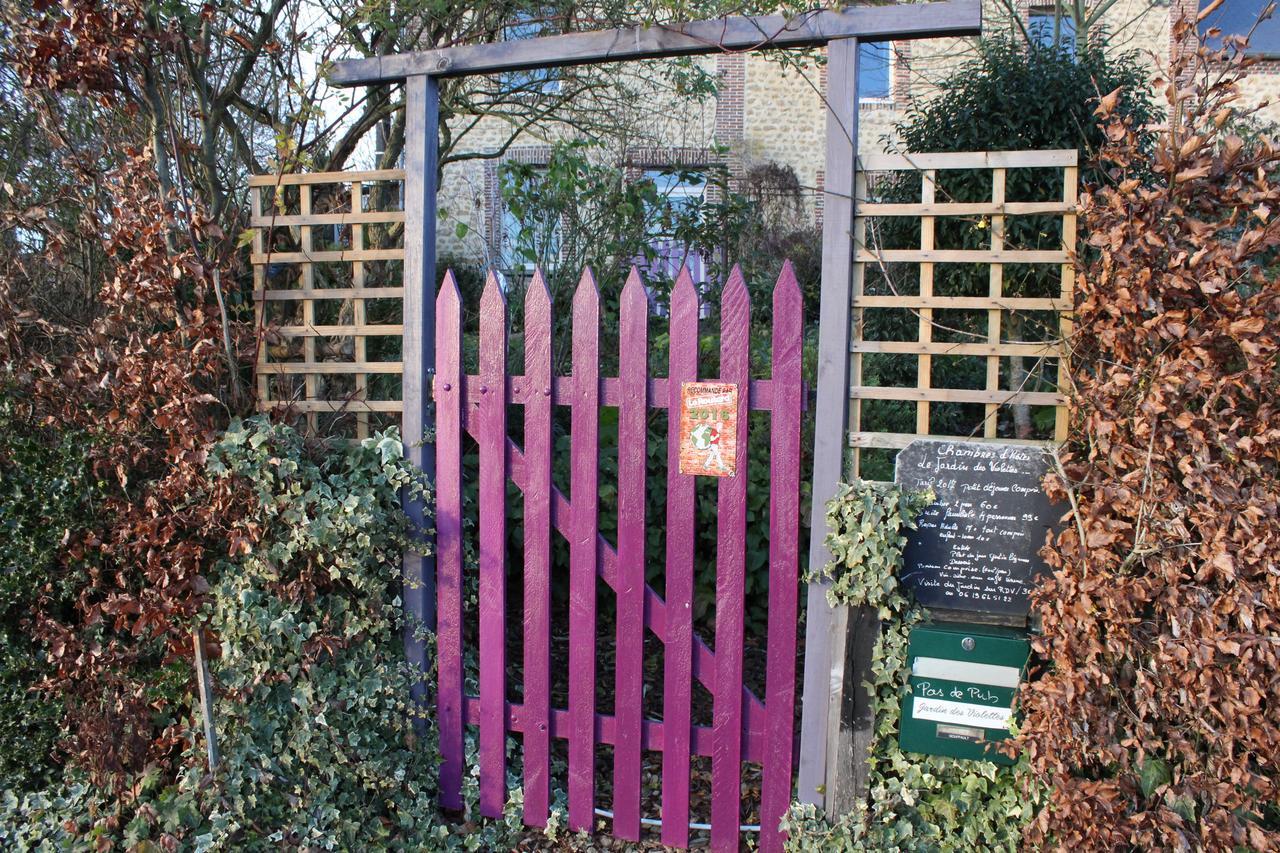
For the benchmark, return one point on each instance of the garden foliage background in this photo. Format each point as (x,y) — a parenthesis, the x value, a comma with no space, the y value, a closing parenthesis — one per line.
(140,508)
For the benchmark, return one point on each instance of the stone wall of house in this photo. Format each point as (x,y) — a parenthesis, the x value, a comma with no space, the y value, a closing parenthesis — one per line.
(651,119)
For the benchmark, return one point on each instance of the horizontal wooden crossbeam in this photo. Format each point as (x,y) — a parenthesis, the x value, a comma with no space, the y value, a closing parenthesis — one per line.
(653,732)
(810,29)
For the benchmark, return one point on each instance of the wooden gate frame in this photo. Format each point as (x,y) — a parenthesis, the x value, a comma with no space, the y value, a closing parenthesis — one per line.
(828,687)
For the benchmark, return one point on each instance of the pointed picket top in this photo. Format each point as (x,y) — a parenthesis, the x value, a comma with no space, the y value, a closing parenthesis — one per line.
(493,296)
(735,295)
(633,292)
(537,297)
(586,293)
(684,295)
(449,296)
(786,293)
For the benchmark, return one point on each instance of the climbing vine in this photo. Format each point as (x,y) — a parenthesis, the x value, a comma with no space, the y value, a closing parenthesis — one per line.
(321,746)
(865,524)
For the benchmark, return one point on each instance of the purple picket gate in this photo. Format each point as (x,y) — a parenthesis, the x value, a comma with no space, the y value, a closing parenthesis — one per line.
(744,728)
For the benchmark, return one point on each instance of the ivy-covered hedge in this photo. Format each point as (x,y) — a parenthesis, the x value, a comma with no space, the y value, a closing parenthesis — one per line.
(312,709)
(46,494)
(917,802)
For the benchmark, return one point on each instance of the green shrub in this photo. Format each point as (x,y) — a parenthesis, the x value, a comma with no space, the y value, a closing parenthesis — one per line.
(1016,96)
(313,716)
(312,710)
(46,496)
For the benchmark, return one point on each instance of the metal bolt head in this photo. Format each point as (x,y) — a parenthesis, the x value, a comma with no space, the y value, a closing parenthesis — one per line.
(967,644)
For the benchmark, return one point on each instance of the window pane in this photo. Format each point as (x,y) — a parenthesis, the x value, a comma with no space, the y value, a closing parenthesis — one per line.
(1237,17)
(1041,29)
(873,69)
(533,240)
(680,192)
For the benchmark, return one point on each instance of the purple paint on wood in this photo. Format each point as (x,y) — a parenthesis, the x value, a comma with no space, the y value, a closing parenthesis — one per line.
(761,392)
(633,360)
(537,552)
(492,440)
(652,733)
(655,608)
(678,659)
(784,559)
(583,493)
(731,556)
(448,445)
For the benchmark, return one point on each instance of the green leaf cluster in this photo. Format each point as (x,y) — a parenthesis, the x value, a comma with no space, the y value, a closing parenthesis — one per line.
(866,523)
(47,496)
(916,802)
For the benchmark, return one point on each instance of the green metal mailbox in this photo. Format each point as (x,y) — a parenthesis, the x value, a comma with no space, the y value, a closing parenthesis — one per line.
(963,679)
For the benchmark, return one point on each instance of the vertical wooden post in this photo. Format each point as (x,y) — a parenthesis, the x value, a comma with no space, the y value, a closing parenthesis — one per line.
(995,290)
(584,491)
(1070,196)
(822,674)
(924,333)
(491,440)
(421,144)
(310,380)
(677,677)
(204,684)
(537,552)
(449,405)
(633,431)
(784,560)
(731,561)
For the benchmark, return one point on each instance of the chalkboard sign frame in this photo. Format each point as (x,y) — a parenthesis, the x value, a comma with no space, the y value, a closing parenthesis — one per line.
(952,562)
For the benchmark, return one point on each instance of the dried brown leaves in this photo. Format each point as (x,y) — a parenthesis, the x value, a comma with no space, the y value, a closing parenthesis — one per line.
(145,379)
(1157,725)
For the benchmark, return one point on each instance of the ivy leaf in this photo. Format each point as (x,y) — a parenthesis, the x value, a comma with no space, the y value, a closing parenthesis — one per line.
(1153,773)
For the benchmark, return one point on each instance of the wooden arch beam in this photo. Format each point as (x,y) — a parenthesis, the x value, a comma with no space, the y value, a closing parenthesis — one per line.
(810,29)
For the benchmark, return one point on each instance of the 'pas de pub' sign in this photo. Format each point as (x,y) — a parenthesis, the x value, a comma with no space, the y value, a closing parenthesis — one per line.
(976,548)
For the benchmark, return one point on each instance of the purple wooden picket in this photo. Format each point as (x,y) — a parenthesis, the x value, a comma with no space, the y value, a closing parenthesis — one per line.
(784,557)
(493,548)
(583,490)
(449,403)
(677,679)
(633,367)
(537,552)
(731,567)
(743,728)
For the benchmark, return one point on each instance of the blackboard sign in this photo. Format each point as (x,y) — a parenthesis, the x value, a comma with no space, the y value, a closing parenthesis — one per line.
(977,546)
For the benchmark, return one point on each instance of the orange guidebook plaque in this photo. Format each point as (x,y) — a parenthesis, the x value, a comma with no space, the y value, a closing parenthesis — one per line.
(708,428)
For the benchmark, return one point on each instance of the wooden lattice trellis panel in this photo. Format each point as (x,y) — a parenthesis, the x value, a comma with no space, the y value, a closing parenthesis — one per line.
(328,286)
(938,283)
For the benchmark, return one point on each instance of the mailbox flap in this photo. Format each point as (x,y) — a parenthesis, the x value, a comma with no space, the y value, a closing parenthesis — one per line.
(991,652)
